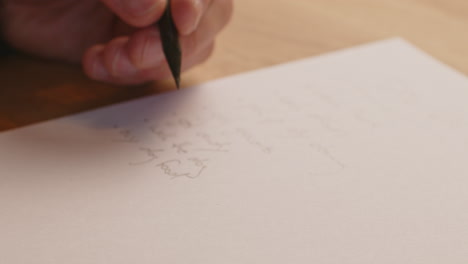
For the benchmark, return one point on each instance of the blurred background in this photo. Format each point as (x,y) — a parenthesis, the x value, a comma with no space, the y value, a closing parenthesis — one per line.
(262,33)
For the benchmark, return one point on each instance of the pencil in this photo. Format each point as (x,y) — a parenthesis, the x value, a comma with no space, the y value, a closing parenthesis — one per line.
(170,43)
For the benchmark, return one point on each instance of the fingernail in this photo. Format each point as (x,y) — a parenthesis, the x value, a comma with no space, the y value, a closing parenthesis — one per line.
(99,71)
(189,16)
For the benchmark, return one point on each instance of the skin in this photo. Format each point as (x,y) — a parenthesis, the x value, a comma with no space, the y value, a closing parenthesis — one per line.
(115,40)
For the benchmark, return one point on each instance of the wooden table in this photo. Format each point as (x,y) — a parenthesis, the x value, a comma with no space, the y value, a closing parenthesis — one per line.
(262,33)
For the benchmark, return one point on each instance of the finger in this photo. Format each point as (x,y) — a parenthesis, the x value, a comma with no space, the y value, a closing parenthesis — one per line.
(104,62)
(125,57)
(187,14)
(216,17)
(163,72)
(137,13)
(99,66)
(93,63)
(144,47)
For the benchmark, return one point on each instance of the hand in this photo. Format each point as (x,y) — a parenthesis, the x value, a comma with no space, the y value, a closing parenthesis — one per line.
(116,40)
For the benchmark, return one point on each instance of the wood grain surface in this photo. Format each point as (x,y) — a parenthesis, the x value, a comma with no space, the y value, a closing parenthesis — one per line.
(262,33)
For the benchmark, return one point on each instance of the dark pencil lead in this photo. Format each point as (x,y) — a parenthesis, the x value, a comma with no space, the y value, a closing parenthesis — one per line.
(170,43)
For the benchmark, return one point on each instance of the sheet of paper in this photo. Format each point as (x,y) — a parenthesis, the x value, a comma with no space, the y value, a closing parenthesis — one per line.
(358,156)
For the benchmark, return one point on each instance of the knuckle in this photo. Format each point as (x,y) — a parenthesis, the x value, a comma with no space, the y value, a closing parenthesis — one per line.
(142,48)
(226,10)
(112,55)
(191,43)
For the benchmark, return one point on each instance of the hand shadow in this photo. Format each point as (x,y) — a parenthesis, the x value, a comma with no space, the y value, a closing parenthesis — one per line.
(93,136)
(35,90)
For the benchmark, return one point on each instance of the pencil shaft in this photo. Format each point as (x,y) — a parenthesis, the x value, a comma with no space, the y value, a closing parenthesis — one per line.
(170,43)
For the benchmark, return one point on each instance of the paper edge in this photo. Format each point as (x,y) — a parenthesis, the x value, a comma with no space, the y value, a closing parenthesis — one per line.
(323,56)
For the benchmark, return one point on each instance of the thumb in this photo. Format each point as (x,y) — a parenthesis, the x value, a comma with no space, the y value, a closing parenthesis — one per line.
(137,13)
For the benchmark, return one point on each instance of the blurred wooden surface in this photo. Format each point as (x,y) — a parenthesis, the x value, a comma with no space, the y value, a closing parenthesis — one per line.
(262,33)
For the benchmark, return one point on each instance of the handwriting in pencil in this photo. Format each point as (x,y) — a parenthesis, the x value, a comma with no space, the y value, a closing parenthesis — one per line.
(181,148)
(151,155)
(168,168)
(176,169)
(212,144)
(326,153)
(125,135)
(163,135)
(250,139)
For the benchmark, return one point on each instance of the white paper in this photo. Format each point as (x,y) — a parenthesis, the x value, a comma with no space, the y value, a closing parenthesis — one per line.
(354,157)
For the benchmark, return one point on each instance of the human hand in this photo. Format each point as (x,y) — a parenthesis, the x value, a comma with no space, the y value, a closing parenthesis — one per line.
(116,40)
